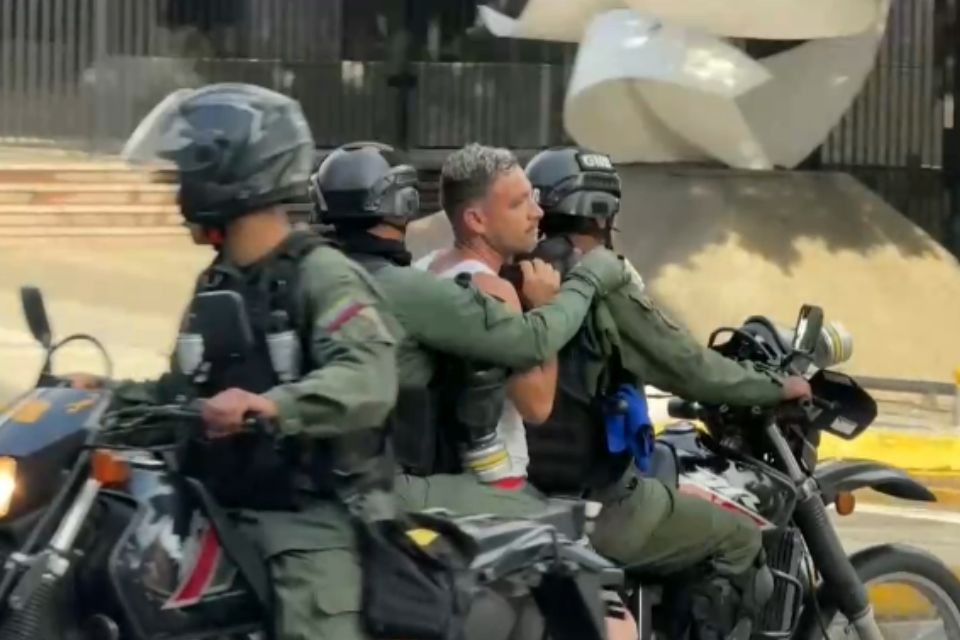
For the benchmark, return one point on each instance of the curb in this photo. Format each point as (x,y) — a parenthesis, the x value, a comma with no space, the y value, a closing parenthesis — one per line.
(937,453)
(933,459)
(924,453)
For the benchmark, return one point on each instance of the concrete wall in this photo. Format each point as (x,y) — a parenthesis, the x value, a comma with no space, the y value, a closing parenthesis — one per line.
(716,246)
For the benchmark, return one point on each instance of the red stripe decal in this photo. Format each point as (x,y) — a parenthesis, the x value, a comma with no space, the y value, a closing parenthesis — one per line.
(510,484)
(697,491)
(345,316)
(200,578)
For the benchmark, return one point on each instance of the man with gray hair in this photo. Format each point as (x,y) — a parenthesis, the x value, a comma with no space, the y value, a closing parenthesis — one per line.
(494,216)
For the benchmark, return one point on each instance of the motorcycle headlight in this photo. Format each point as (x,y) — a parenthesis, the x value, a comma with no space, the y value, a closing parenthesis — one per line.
(8,483)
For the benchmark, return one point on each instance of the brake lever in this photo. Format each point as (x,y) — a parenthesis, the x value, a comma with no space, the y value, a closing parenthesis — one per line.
(813,407)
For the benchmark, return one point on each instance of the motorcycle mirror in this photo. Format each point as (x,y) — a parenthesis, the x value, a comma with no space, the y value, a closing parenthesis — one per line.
(807,331)
(36,314)
(220,317)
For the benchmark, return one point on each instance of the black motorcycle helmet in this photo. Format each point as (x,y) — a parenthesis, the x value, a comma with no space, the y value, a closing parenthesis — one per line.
(575,188)
(363,183)
(238,148)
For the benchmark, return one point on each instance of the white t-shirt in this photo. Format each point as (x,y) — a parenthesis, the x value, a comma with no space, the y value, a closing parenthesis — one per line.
(510,427)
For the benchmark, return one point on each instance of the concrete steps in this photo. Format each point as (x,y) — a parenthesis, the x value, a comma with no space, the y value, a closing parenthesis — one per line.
(79,199)
(40,194)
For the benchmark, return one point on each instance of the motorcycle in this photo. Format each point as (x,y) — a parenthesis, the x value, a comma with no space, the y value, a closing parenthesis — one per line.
(762,463)
(104,538)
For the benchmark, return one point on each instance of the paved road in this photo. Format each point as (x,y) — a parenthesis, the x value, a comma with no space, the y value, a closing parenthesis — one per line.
(127,294)
(936,531)
(903,613)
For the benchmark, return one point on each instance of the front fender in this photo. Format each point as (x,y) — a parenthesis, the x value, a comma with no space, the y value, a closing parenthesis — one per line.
(849,475)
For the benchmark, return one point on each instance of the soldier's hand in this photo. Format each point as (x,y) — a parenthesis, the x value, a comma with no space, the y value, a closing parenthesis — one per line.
(605,270)
(796,388)
(225,412)
(541,282)
(85,381)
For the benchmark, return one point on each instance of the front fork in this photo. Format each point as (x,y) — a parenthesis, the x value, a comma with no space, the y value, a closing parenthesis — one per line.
(839,575)
(51,564)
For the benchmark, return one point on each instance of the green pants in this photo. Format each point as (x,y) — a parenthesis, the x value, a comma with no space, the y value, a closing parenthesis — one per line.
(463,495)
(314,569)
(313,559)
(651,527)
(317,595)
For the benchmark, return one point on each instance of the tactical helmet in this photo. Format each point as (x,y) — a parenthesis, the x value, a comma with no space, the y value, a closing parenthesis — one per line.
(568,181)
(364,182)
(237,148)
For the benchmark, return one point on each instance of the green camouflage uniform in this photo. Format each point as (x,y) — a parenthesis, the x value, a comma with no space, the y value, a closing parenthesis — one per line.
(312,553)
(441,316)
(644,523)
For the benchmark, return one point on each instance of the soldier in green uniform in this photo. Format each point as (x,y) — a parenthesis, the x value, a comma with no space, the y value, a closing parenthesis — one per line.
(322,370)
(627,339)
(458,342)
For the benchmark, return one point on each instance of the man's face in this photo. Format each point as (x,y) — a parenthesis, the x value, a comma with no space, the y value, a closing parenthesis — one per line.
(508,217)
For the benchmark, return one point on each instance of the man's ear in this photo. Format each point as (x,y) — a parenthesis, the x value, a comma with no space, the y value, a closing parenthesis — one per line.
(474,219)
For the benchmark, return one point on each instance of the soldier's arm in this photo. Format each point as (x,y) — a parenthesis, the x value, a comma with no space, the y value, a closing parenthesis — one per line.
(353,342)
(664,354)
(532,390)
(465,322)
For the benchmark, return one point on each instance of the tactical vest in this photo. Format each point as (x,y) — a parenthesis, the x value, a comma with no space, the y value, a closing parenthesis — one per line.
(431,426)
(568,452)
(281,329)
(256,470)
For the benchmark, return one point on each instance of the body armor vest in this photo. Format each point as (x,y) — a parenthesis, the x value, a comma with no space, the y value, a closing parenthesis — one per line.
(258,470)
(568,453)
(281,332)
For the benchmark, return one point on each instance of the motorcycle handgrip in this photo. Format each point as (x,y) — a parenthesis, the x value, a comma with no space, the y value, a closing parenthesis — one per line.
(253,423)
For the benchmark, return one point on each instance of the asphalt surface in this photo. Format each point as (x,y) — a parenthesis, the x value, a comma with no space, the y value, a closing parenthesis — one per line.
(937,532)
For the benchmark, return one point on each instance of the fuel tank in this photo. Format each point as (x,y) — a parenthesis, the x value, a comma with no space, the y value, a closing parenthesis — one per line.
(732,482)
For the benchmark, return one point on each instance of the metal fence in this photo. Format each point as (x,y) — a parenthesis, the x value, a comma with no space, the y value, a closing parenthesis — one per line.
(893,136)
(83,72)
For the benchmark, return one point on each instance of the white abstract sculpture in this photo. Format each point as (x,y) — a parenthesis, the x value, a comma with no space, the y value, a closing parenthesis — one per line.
(656,80)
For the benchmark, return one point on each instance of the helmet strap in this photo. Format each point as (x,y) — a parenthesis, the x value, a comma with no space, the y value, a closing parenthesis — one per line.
(215,236)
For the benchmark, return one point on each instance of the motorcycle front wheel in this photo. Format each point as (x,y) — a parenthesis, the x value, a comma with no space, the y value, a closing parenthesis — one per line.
(914,595)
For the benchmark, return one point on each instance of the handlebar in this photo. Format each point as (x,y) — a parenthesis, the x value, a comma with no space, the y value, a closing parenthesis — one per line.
(689,410)
(183,420)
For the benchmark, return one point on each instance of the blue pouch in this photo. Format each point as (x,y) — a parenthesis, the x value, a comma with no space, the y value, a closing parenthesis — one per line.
(629,426)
